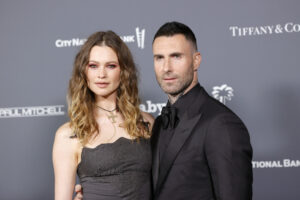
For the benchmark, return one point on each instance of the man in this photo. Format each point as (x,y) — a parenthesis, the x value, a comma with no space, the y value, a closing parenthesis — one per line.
(201,149)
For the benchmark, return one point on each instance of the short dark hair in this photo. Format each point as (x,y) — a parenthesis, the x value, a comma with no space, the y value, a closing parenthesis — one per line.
(173,28)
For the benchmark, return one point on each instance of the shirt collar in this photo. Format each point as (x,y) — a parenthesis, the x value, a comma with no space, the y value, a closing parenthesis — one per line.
(184,100)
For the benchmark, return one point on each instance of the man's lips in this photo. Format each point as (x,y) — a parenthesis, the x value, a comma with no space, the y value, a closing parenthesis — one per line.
(169,79)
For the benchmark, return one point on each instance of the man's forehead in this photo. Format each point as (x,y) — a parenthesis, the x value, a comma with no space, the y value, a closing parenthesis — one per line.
(171,44)
(170,38)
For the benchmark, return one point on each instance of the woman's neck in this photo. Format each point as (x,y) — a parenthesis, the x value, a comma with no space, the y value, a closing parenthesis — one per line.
(107,103)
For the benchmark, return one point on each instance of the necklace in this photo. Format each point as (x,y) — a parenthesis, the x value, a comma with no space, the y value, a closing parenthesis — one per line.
(111,115)
(106,109)
(112,118)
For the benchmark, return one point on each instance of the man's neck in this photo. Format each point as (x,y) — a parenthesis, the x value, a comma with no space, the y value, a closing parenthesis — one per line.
(174,98)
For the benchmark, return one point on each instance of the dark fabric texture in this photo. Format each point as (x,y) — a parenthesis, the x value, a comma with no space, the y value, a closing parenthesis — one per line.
(116,171)
(207,156)
(169,116)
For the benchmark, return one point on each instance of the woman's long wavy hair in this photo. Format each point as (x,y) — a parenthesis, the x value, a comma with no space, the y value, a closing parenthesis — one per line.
(81,100)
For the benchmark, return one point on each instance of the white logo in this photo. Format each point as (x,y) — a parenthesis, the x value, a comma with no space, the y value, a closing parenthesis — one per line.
(285,163)
(289,27)
(74,42)
(152,107)
(140,37)
(35,111)
(127,38)
(222,93)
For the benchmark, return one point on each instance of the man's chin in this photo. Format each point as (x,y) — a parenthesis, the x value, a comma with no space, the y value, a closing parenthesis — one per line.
(172,91)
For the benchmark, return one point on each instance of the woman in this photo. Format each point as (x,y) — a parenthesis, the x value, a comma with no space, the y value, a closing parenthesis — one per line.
(106,140)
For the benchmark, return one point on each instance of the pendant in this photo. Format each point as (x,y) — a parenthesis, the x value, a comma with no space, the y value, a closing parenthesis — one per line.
(112,117)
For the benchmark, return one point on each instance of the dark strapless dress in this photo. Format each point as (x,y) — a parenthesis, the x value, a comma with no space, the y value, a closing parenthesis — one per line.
(116,171)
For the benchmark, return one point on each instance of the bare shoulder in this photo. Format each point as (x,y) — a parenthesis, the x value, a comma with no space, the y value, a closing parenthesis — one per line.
(63,136)
(148,118)
(64,131)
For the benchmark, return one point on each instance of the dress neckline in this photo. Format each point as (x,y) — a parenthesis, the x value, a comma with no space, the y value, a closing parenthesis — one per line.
(102,145)
(108,143)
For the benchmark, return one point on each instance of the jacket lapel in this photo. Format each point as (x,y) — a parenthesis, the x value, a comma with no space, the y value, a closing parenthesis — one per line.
(181,134)
(183,131)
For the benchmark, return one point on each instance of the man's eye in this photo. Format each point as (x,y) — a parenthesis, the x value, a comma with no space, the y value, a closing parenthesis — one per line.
(158,58)
(177,56)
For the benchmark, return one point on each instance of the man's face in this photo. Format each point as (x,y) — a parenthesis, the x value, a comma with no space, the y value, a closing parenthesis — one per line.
(174,63)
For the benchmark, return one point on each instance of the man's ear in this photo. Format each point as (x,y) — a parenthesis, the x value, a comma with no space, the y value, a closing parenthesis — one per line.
(197,60)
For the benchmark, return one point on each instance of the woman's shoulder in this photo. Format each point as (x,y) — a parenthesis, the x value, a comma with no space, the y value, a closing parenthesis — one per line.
(65,135)
(66,149)
(64,130)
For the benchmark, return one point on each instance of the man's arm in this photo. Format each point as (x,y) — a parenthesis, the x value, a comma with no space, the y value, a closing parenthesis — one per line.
(229,155)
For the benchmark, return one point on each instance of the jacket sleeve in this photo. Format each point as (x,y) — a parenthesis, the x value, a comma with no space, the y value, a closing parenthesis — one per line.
(229,154)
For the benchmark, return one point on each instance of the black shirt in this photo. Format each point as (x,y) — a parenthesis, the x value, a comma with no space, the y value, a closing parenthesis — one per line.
(181,105)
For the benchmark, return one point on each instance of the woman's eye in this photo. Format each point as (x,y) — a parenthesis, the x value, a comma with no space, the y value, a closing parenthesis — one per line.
(92,66)
(111,66)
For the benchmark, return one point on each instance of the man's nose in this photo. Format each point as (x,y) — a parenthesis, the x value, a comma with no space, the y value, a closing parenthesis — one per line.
(167,65)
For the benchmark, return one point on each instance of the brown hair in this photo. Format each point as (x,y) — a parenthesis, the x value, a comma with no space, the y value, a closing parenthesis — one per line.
(81,99)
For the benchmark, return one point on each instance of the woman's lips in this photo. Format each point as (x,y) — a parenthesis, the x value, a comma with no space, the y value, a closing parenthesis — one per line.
(102,84)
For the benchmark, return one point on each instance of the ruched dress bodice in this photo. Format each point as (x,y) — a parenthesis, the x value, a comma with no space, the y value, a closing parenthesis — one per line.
(116,171)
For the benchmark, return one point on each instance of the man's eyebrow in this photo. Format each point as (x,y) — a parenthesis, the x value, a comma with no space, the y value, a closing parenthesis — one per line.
(176,54)
(157,55)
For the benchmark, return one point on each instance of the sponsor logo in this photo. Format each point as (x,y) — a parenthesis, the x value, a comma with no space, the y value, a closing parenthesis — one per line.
(54,110)
(127,38)
(35,111)
(222,93)
(152,107)
(285,163)
(74,42)
(288,27)
(138,37)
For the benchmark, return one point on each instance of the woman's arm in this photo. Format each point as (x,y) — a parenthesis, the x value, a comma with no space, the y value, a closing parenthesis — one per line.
(65,160)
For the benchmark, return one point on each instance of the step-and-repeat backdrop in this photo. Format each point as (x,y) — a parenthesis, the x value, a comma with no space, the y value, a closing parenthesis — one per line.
(250,53)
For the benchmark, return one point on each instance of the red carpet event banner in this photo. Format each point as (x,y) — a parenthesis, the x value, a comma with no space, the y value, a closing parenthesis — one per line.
(250,63)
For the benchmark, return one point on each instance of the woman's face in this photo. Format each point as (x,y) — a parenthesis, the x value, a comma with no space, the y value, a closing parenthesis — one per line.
(103,71)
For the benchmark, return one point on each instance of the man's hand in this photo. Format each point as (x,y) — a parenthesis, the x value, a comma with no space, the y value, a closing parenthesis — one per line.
(78,190)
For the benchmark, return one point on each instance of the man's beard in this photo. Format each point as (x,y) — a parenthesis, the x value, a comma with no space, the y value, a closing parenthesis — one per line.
(179,89)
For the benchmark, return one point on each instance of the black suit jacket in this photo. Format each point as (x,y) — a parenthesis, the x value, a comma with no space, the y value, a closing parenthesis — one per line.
(208,158)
